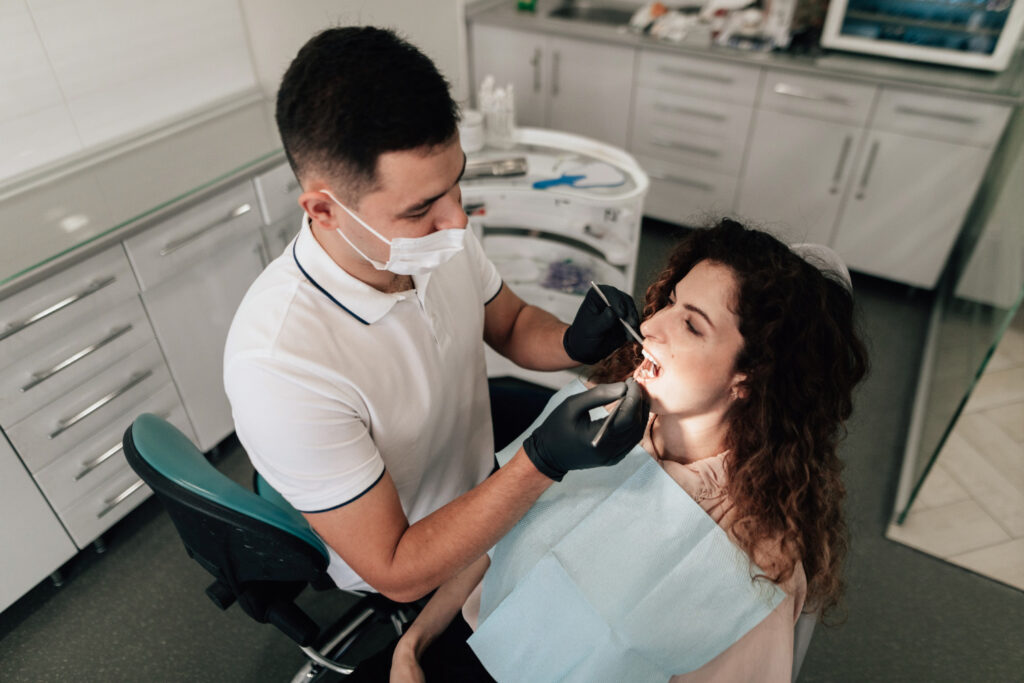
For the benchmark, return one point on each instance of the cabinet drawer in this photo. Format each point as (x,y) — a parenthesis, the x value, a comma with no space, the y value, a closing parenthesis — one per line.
(71,358)
(101,457)
(100,509)
(689,196)
(945,118)
(279,192)
(46,311)
(56,428)
(278,236)
(715,80)
(829,99)
(689,130)
(171,247)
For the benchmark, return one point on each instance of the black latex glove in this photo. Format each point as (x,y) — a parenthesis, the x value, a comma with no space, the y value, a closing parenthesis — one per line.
(596,331)
(562,442)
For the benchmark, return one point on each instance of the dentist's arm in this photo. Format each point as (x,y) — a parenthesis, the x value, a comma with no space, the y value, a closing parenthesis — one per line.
(533,338)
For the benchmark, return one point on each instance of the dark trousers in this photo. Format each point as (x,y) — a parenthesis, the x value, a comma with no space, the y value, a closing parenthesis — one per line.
(448,658)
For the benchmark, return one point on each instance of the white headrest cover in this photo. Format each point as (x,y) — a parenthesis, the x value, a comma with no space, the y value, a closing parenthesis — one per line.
(826,260)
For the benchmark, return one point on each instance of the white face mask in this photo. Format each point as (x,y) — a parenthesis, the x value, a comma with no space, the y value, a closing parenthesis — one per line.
(409,255)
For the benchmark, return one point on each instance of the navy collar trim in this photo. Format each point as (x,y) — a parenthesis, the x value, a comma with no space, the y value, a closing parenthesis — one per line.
(324,291)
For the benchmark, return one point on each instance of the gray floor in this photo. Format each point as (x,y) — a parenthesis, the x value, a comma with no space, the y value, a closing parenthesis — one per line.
(138,612)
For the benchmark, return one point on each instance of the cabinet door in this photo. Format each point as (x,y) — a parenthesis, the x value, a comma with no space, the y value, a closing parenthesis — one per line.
(907,203)
(591,86)
(513,57)
(191,314)
(34,542)
(796,172)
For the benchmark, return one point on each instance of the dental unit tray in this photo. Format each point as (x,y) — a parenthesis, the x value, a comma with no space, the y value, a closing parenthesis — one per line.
(495,168)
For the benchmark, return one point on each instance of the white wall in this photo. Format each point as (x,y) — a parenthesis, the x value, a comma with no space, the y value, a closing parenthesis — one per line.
(77,75)
(278,28)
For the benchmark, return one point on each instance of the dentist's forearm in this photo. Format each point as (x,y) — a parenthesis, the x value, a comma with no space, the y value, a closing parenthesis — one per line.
(535,341)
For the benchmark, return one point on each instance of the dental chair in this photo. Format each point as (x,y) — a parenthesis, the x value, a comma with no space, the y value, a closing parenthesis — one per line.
(260,551)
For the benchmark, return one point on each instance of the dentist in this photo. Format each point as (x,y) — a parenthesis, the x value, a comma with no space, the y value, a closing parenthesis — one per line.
(355,363)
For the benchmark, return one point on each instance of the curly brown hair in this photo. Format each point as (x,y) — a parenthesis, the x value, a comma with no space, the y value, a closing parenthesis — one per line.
(802,356)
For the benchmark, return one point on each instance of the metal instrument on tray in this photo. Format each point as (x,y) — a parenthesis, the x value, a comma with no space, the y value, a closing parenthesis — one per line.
(495,168)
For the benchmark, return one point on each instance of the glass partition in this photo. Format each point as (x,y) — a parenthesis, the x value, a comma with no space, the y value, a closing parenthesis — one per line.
(977,299)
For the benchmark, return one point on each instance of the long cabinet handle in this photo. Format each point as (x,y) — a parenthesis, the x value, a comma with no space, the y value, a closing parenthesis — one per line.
(43,375)
(682,181)
(800,93)
(673,144)
(95,286)
(535,63)
(556,66)
(699,75)
(188,239)
(674,109)
(872,154)
(844,152)
(69,422)
(90,465)
(941,115)
(114,501)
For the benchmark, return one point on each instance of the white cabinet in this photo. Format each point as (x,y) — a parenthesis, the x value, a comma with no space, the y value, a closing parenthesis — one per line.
(278,192)
(34,542)
(907,205)
(563,84)
(193,271)
(690,122)
(796,175)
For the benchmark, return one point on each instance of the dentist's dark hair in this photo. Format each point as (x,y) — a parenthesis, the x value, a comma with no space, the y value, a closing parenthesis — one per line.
(354,93)
(802,356)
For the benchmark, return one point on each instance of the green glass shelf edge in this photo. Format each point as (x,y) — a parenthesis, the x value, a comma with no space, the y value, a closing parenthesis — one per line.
(149,212)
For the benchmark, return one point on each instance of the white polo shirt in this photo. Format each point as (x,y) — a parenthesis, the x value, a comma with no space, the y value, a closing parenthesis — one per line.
(332,381)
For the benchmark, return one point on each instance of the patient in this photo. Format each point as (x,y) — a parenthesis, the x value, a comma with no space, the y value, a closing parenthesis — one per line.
(757,356)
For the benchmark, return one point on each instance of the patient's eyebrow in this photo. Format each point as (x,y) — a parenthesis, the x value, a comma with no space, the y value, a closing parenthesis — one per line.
(419,206)
(691,307)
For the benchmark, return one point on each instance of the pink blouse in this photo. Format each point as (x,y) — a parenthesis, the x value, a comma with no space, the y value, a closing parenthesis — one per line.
(763,654)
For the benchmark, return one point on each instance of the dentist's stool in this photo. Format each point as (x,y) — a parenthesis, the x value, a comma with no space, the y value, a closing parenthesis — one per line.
(261,552)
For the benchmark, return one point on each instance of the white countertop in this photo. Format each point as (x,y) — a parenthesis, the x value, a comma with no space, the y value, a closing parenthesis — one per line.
(74,210)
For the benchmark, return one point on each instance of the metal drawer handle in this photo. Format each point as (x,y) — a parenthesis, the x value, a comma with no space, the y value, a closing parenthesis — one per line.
(941,115)
(114,501)
(673,109)
(556,68)
(682,181)
(841,164)
(800,93)
(189,239)
(672,144)
(96,286)
(676,71)
(872,154)
(535,63)
(88,467)
(69,422)
(43,375)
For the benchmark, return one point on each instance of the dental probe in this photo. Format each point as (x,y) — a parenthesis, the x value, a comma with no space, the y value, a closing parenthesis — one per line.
(629,328)
(607,421)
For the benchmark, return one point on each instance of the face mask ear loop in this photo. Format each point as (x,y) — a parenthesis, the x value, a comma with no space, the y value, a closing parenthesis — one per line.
(357,219)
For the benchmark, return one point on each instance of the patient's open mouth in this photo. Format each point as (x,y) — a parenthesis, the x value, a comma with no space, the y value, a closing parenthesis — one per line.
(649,368)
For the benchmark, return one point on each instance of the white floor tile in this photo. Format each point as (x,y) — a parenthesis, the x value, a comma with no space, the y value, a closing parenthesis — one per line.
(1003,562)
(1010,419)
(987,485)
(997,388)
(939,489)
(949,530)
(997,447)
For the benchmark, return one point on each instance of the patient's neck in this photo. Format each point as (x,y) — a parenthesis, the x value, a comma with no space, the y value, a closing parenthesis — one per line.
(685,440)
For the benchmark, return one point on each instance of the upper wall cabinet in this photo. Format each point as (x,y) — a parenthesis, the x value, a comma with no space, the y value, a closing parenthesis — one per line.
(555,80)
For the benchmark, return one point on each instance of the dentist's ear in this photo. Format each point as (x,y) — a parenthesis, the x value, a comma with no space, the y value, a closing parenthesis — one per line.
(320,208)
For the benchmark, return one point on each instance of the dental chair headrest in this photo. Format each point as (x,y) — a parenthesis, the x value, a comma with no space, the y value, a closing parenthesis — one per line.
(826,260)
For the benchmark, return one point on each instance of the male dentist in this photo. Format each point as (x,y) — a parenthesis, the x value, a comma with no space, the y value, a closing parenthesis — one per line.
(355,363)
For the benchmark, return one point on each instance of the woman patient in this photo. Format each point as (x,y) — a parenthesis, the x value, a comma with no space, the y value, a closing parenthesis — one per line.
(757,356)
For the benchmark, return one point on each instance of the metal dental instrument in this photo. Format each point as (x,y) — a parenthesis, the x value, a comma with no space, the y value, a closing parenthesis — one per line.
(629,328)
(607,421)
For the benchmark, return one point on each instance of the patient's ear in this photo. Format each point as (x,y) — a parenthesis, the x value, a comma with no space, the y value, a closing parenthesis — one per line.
(739,387)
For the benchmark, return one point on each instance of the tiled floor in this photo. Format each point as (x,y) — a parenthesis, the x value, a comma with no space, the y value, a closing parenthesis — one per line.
(970,510)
